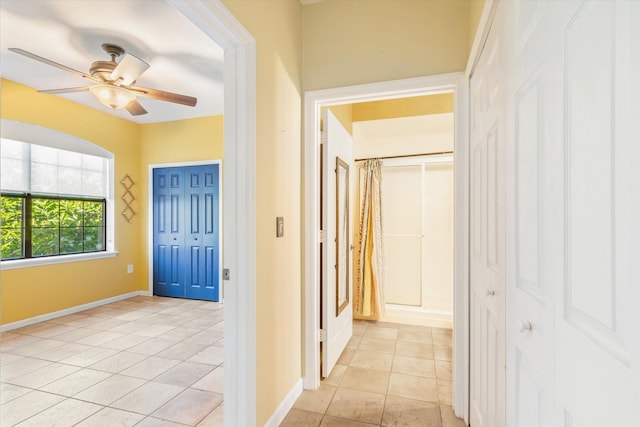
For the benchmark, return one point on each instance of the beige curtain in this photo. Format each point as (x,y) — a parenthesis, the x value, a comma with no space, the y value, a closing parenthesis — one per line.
(369,275)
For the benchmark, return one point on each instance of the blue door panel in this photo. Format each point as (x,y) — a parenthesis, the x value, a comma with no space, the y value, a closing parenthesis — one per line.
(186,232)
(195,214)
(211,267)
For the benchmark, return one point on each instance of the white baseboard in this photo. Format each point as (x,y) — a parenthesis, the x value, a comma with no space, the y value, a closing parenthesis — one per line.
(286,405)
(417,316)
(71,310)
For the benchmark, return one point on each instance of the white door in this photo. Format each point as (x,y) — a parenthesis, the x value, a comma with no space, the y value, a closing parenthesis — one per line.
(533,103)
(487,228)
(573,350)
(596,315)
(337,313)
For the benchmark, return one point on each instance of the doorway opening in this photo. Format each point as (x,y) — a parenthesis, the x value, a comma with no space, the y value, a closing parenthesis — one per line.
(314,102)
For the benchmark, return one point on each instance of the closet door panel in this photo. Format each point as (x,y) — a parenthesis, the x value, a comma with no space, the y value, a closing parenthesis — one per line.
(438,237)
(402,216)
(487,231)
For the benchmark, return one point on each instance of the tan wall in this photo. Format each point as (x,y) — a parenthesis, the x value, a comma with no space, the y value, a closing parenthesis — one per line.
(277,27)
(349,42)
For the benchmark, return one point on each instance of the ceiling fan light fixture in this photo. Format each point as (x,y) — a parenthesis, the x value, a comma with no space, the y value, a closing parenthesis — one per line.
(112,96)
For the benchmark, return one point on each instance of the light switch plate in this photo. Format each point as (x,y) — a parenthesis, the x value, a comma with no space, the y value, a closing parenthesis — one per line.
(279,226)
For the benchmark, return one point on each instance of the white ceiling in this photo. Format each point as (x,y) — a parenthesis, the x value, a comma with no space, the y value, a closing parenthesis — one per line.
(70,32)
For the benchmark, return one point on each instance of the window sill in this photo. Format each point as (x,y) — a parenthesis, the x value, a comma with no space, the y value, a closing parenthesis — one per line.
(60,259)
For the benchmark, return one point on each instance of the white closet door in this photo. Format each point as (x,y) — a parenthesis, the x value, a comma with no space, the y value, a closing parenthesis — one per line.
(402,229)
(438,238)
(533,159)
(487,228)
(573,207)
(596,313)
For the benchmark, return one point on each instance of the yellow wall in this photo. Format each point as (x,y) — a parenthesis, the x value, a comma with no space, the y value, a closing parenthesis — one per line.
(349,42)
(173,142)
(277,28)
(475,11)
(403,107)
(344,115)
(34,291)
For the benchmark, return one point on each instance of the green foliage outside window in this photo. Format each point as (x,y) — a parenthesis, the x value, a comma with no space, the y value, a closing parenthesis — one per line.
(11,229)
(57,226)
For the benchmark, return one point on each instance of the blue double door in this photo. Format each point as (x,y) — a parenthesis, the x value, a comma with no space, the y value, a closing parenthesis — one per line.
(186,232)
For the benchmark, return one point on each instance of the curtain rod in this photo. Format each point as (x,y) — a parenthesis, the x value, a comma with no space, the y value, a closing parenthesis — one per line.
(404,155)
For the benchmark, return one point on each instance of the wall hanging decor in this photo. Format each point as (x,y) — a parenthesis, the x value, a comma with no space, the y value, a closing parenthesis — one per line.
(127,197)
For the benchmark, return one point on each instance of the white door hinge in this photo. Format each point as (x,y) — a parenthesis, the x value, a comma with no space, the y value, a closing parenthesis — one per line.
(321,236)
(321,335)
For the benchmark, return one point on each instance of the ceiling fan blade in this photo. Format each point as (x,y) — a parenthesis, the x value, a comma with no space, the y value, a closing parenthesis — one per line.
(135,109)
(66,90)
(164,96)
(53,64)
(128,70)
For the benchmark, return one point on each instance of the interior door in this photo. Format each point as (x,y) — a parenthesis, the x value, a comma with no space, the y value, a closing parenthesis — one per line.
(533,244)
(168,237)
(202,232)
(186,224)
(573,207)
(337,313)
(597,341)
(487,228)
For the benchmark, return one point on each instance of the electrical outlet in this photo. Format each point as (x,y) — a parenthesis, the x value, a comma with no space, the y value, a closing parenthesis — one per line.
(130,268)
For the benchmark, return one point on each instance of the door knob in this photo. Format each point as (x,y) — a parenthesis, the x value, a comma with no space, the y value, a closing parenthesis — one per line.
(525,326)
(175,238)
(490,292)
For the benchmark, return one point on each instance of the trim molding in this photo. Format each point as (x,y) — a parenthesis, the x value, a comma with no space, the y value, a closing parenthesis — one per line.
(482,31)
(285,406)
(70,310)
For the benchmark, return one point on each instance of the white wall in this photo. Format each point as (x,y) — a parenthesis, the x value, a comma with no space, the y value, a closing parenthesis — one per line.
(406,135)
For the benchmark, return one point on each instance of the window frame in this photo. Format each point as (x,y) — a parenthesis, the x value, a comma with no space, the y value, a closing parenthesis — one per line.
(39,135)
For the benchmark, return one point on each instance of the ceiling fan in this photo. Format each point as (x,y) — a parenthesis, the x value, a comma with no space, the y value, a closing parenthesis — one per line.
(113,81)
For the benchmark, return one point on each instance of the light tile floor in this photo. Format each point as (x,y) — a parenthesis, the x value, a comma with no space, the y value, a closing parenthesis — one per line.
(145,361)
(389,375)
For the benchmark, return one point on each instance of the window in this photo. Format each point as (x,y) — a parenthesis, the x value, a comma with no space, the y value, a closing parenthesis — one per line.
(53,201)
(37,226)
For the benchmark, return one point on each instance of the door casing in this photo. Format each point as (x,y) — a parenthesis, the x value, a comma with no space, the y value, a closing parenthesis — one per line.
(455,83)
